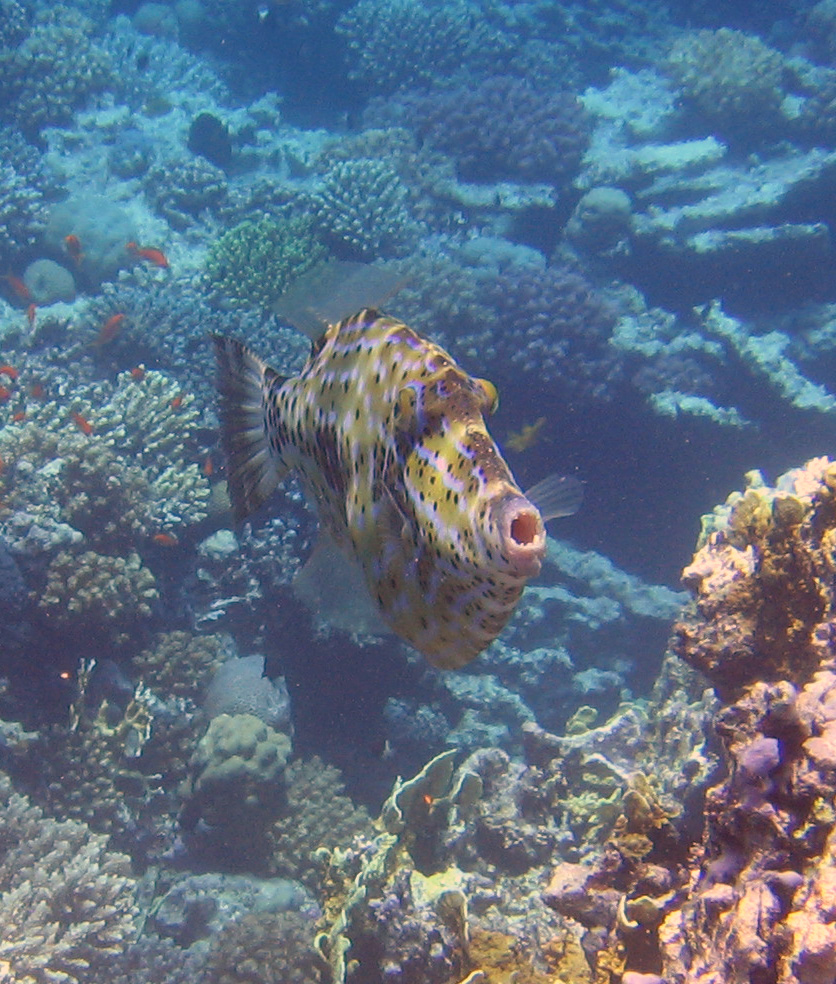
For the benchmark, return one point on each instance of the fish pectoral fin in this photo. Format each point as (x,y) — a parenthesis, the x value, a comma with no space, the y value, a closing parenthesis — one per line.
(253,467)
(556,495)
(333,588)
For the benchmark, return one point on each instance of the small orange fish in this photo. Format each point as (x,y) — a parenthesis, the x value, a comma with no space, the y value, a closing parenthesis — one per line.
(110,329)
(5,393)
(138,374)
(527,436)
(72,244)
(37,391)
(2,465)
(30,314)
(177,402)
(19,417)
(19,288)
(9,371)
(156,257)
(208,466)
(166,539)
(82,423)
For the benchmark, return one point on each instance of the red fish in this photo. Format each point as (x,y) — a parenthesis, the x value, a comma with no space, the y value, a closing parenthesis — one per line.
(19,288)
(5,393)
(156,257)
(72,244)
(82,423)
(166,539)
(9,371)
(110,329)
(208,466)
(19,417)
(37,391)
(138,374)
(177,402)
(30,314)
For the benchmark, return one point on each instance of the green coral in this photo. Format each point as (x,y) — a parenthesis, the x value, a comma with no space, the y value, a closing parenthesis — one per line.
(254,262)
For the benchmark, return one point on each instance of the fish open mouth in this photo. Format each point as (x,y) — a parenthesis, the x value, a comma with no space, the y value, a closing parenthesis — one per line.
(523,535)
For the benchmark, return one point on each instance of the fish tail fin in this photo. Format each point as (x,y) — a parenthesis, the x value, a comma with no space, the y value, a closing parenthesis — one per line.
(245,383)
(556,495)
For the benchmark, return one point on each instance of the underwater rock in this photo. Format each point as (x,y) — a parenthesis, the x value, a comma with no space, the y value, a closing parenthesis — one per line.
(209,137)
(102,227)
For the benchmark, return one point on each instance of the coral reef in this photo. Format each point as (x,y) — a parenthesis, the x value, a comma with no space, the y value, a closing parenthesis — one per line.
(269,948)
(253,263)
(22,211)
(762,582)
(240,687)
(66,900)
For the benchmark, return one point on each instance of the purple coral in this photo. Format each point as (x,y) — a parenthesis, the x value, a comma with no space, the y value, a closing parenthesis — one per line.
(501,128)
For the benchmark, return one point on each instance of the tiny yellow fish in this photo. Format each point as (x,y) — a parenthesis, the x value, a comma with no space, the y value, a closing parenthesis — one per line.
(388,438)
(526,436)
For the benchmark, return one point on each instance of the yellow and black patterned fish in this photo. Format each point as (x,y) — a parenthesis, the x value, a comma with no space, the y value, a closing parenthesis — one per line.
(388,437)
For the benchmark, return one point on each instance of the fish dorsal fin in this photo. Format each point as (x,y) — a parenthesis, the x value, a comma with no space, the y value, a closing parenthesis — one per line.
(246,383)
(331,291)
(556,495)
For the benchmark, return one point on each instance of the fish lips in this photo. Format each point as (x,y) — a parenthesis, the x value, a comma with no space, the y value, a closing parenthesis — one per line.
(522,534)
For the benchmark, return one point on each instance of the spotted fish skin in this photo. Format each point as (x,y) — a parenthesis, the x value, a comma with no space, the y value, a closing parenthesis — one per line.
(388,437)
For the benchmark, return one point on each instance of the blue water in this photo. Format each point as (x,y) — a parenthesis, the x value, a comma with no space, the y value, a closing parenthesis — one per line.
(619,213)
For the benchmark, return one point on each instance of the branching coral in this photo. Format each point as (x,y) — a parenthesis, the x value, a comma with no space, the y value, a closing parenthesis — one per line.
(502,127)
(254,262)
(39,85)
(22,213)
(363,211)
(128,477)
(66,901)
(731,78)
(182,190)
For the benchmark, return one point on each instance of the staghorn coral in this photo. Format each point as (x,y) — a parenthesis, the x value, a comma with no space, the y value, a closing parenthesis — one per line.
(362,210)
(39,86)
(14,23)
(762,582)
(254,262)
(730,78)
(502,127)
(66,901)
(90,591)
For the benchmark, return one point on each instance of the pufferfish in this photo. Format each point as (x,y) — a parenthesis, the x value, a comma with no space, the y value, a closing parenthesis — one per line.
(388,437)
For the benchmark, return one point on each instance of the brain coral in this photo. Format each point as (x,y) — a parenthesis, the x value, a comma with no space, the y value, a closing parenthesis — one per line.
(39,85)
(732,79)
(762,582)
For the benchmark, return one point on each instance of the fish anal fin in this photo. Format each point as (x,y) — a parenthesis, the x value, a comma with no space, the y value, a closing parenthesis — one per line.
(556,495)
(245,383)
